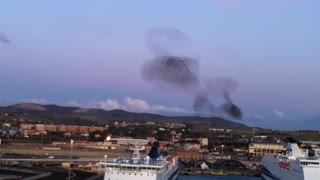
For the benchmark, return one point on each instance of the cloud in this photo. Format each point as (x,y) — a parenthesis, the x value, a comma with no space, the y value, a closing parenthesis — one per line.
(279,114)
(73,103)
(136,105)
(36,101)
(139,105)
(109,104)
(128,104)
(160,108)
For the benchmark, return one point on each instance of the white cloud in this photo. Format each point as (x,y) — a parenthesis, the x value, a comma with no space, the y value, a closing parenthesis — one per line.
(73,103)
(161,108)
(129,104)
(36,101)
(279,114)
(137,105)
(109,104)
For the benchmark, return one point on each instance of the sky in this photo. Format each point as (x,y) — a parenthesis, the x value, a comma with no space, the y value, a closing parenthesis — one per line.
(90,53)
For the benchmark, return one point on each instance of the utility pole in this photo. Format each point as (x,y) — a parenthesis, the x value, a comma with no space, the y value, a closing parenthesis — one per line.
(71,145)
(222,149)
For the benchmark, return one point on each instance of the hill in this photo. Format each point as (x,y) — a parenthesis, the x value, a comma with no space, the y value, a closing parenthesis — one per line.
(75,115)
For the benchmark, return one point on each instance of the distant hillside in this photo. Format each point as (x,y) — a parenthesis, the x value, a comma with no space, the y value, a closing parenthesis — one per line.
(76,115)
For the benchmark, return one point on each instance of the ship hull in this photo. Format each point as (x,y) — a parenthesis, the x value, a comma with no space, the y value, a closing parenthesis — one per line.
(172,175)
(267,175)
(291,166)
(271,170)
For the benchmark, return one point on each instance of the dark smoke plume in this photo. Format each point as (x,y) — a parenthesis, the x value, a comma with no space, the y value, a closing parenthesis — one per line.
(4,39)
(174,71)
(166,41)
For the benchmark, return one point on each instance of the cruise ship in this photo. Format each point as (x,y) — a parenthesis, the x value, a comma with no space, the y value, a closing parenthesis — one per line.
(152,167)
(293,165)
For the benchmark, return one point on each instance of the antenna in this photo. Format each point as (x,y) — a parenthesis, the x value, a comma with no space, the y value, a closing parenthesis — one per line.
(136,153)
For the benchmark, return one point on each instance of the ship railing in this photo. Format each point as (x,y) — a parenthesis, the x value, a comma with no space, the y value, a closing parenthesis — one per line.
(130,163)
(131,167)
(281,156)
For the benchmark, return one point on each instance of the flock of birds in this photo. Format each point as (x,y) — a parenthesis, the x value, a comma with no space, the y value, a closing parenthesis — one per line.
(4,39)
(172,70)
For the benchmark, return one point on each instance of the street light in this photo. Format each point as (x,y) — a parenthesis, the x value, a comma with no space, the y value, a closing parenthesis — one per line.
(222,149)
(71,145)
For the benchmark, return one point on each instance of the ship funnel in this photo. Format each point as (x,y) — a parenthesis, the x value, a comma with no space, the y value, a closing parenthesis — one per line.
(154,152)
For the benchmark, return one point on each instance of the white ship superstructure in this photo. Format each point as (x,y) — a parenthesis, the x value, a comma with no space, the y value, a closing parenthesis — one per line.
(152,167)
(292,166)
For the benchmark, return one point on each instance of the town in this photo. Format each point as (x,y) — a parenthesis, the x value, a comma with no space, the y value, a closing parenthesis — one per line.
(200,149)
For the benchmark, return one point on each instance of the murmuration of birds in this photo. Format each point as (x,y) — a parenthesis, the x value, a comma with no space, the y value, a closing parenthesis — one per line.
(175,71)
(4,39)
(172,71)
(166,41)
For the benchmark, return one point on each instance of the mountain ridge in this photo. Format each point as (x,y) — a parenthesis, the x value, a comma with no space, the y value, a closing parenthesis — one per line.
(66,114)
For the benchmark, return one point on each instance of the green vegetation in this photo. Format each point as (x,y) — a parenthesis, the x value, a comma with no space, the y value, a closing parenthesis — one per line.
(307,137)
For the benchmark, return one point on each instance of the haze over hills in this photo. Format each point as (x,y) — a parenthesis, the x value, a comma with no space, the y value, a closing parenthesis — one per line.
(81,116)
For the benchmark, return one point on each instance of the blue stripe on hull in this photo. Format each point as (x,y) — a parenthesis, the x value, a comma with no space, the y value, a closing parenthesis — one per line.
(174,175)
(266,172)
(265,177)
